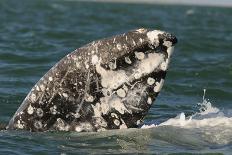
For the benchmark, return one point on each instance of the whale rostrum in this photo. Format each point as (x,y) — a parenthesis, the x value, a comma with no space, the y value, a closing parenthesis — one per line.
(106,84)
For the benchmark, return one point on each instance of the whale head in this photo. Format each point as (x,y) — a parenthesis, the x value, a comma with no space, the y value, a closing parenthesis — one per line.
(132,73)
(107,84)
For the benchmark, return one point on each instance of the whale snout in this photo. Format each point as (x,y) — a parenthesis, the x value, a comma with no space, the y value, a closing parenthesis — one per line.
(168,37)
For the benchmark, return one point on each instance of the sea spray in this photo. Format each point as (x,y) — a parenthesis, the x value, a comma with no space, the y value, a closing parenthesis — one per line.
(206,107)
(210,122)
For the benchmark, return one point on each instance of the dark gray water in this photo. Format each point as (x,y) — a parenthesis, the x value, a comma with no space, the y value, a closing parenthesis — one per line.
(34,35)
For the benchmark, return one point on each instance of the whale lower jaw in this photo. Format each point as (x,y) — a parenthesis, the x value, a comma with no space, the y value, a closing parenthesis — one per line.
(107,84)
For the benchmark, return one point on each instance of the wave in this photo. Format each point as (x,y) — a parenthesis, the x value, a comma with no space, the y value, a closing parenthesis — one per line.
(213,124)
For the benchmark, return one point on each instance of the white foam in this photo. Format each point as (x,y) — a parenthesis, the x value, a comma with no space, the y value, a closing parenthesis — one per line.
(206,107)
(148,126)
(211,122)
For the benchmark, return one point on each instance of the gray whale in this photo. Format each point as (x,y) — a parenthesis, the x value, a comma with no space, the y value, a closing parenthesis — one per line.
(107,84)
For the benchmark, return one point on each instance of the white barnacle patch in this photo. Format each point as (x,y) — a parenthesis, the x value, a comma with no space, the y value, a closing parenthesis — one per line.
(74,57)
(118,105)
(101,129)
(101,108)
(100,122)
(111,79)
(89,98)
(85,126)
(65,95)
(39,112)
(150,81)
(123,125)
(138,74)
(97,109)
(113,65)
(53,110)
(37,88)
(140,55)
(133,42)
(77,115)
(42,87)
(153,37)
(87,64)
(19,125)
(114,115)
(142,30)
(38,125)
(116,122)
(50,78)
(121,93)
(106,92)
(78,128)
(119,47)
(104,106)
(149,100)
(149,64)
(60,125)
(158,86)
(125,88)
(167,43)
(94,59)
(30,110)
(33,97)
(164,65)
(127,60)
(78,65)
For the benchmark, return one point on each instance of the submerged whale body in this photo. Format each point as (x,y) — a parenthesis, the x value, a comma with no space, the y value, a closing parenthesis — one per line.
(107,84)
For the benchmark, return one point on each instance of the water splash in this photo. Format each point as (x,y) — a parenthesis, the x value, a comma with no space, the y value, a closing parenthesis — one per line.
(206,107)
(210,121)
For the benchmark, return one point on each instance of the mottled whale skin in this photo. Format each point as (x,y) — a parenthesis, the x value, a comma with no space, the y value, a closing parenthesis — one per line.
(107,84)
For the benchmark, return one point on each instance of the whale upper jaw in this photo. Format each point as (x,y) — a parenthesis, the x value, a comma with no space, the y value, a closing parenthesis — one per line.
(107,84)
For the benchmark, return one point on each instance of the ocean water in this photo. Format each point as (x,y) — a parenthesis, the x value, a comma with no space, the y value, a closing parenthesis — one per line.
(34,35)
